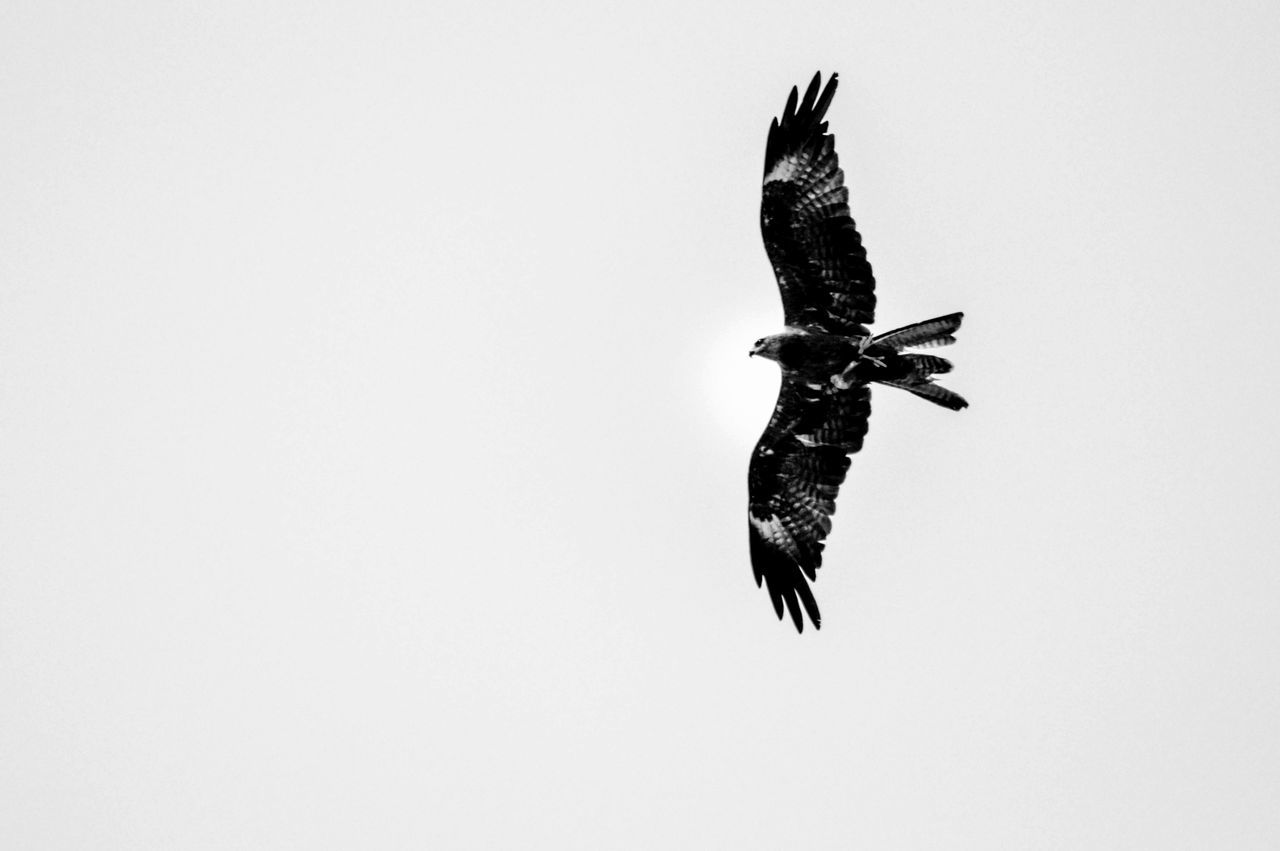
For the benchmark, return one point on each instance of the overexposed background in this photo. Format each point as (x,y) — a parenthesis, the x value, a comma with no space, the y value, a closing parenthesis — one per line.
(375,412)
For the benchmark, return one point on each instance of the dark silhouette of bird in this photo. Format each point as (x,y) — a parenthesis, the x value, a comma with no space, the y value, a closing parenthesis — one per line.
(829,359)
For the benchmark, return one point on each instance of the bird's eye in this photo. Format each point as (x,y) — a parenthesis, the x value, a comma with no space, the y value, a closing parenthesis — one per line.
(760,342)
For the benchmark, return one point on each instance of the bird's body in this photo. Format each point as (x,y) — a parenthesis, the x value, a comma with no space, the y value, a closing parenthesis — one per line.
(816,357)
(809,352)
(827,355)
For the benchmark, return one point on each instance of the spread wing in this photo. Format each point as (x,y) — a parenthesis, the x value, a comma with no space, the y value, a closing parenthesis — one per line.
(815,249)
(796,472)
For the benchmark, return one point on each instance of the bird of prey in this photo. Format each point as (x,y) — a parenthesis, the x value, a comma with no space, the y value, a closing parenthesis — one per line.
(829,359)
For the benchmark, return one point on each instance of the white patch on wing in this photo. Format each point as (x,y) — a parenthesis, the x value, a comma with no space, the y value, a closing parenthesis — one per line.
(783,169)
(775,533)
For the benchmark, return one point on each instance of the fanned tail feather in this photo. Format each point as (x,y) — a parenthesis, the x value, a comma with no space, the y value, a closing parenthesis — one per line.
(927,365)
(931,332)
(935,393)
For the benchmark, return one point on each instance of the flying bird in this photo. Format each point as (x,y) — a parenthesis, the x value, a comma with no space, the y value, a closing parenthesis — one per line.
(829,359)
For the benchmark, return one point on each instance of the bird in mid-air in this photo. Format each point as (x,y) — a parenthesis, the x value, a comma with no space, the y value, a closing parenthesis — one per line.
(828,357)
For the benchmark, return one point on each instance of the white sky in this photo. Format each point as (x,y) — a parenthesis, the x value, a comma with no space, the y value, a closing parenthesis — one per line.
(375,412)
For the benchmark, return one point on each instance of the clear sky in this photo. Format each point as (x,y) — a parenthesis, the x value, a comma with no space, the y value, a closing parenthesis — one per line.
(375,411)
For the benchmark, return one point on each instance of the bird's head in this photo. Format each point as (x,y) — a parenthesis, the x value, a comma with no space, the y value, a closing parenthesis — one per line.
(771,347)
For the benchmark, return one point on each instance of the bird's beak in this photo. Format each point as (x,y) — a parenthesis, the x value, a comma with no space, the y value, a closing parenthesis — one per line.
(751,353)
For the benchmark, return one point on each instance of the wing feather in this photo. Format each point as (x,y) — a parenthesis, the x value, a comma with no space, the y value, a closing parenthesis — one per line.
(812,242)
(795,475)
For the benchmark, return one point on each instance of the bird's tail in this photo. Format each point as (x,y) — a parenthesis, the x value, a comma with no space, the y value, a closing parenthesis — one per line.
(931,332)
(935,393)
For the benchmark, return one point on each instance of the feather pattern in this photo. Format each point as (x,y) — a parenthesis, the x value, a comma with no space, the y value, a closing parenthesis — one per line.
(931,332)
(812,242)
(935,393)
(795,475)
(926,366)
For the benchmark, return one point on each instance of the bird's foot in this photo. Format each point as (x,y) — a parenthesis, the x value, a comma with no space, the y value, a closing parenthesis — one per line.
(844,380)
(863,345)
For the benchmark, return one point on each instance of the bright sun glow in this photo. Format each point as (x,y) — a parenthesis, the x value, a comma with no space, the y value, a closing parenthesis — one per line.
(739,391)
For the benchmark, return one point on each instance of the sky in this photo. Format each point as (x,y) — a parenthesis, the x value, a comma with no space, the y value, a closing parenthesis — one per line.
(375,411)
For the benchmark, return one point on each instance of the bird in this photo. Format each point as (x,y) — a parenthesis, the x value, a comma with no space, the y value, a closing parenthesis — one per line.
(828,357)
